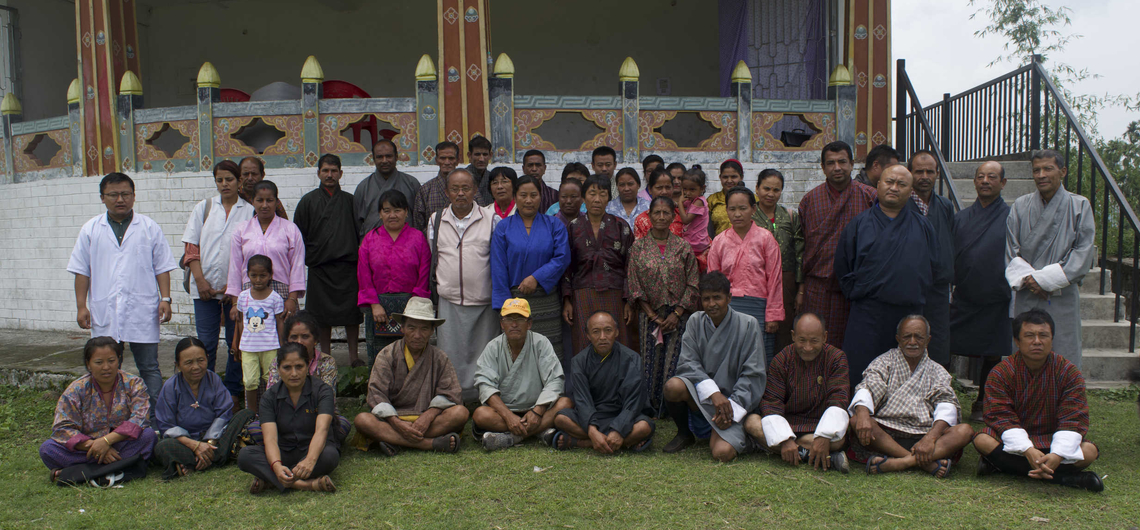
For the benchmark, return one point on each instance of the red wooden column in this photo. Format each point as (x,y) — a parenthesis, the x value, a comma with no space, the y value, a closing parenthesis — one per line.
(463,71)
(869,45)
(107,45)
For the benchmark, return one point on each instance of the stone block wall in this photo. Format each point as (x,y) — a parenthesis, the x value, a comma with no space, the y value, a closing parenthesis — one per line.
(40,220)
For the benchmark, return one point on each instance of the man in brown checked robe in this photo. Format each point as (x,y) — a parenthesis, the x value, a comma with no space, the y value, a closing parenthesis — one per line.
(413,392)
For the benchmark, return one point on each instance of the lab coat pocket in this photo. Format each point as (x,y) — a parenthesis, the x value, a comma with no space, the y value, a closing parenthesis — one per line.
(101,315)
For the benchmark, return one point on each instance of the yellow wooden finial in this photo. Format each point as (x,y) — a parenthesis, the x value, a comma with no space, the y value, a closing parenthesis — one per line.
(841,76)
(629,71)
(131,85)
(741,74)
(311,72)
(504,67)
(74,94)
(425,70)
(10,105)
(208,76)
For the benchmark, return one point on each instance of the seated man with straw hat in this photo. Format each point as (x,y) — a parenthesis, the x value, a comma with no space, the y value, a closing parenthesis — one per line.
(413,391)
(519,379)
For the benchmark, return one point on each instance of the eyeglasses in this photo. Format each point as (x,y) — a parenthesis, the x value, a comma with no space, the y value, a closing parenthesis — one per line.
(119,195)
(513,319)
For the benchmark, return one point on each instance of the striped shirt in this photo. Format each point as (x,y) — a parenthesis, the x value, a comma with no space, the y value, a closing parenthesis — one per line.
(1042,404)
(801,391)
(903,400)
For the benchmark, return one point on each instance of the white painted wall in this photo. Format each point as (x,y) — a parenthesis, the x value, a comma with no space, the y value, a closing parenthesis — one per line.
(40,220)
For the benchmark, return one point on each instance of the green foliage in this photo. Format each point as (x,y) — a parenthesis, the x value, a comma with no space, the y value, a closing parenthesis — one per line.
(353,382)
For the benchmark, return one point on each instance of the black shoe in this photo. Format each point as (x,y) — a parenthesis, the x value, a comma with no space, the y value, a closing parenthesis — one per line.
(985,467)
(1086,480)
(679,443)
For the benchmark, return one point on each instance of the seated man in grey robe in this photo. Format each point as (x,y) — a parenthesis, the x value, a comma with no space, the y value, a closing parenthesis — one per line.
(611,403)
(413,392)
(720,373)
(904,413)
(519,379)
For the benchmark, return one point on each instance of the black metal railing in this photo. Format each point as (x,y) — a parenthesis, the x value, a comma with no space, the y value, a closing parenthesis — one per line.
(1011,116)
(920,134)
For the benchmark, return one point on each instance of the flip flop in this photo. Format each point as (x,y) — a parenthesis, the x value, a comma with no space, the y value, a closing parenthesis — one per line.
(876,465)
(559,437)
(940,467)
(324,484)
(257,487)
(645,444)
(182,471)
(53,475)
(388,449)
(442,444)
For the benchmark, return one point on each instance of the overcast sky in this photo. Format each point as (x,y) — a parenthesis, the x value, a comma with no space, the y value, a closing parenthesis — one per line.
(942,54)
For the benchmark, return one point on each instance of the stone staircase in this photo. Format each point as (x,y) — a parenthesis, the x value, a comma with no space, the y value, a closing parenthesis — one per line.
(1106,361)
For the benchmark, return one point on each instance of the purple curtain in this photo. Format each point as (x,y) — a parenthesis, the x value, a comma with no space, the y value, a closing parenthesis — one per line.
(734,20)
(815,62)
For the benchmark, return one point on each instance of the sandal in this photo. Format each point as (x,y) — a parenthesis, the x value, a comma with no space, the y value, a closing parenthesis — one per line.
(941,467)
(645,444)
(876,465)
(53,475)
(562,441)
(443,444)
(257,487)
(182,471)
(324,484)
(388,449)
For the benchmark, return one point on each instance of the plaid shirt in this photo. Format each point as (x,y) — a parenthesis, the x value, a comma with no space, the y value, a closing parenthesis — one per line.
(1042,404)
(905,401)
(431,198)
(801,391)
(824,214)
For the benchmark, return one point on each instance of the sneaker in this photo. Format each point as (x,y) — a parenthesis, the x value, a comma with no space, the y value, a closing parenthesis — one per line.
(494,441)
(1086,480)
(839,462)
(547,436)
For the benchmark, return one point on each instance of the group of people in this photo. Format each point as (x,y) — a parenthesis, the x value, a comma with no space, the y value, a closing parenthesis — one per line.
(744,322)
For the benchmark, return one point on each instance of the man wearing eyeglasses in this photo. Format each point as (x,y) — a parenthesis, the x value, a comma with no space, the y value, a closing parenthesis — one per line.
(122,263)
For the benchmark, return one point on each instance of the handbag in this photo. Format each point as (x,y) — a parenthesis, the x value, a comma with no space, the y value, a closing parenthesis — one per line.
(794,137)
(182,263)
(103,476)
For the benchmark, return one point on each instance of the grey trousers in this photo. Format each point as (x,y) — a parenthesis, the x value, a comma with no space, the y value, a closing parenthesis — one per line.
(252,460)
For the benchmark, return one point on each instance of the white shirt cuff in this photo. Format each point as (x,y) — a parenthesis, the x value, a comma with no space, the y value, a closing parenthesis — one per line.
(738,412)
(384,410)
(776,430)
(1016,441)
(1067,445)
(833,424)
(705,389)
(1016,271)
(862,397)
(946,412)
(1051,278)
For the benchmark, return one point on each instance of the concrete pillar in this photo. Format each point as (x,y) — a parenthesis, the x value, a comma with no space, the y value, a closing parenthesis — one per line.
(130,99)
(209,91)
(741,90)
(630,111)
(10,111)
(75,117)
(427,112)
(311,78)
(841,90)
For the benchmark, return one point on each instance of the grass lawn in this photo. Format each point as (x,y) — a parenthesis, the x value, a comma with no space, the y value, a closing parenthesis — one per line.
(575,489)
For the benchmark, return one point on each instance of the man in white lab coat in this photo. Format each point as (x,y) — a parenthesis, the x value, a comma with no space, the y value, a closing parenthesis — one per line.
(122,263)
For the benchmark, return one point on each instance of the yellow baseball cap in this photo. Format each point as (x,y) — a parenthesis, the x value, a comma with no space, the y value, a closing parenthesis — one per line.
(516,306)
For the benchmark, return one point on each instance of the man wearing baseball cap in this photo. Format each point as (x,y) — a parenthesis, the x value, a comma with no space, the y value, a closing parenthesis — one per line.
(519,379)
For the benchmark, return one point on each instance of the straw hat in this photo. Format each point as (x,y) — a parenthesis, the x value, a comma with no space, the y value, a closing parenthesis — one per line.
(418,309)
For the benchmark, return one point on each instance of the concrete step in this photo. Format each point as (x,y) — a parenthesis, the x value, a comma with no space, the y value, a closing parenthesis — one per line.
(1108,364)
(1100,307)
(1106,385)
(1104,334)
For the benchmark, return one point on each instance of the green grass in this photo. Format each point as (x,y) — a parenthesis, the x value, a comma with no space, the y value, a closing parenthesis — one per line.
(577,489)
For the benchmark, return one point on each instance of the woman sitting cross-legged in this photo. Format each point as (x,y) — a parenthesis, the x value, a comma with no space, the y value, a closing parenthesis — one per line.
(195,415)
(300,447)
(102,417)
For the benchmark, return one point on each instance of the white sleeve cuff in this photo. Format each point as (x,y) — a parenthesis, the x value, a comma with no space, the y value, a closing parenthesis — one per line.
(1067,445)
(705,389)
(946,412)
(1016,271)
(175,432)
(384,410)
(738,412)
(833,424)
(440,402)
(1052,278)
(862,397)
(1016,441)
(776,430)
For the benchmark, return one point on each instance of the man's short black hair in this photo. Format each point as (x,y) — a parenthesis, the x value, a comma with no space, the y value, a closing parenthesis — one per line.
(1046,154)
(1033,316)
(921,152)
(882,154)
(715,281)
(649,160)
(838,146)
(603,151)
(446,145)
(115,178)
(329,159)
(534,152)
(478,142)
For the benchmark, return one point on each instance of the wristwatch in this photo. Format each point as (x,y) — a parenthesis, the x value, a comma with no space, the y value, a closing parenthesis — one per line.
(167,300)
